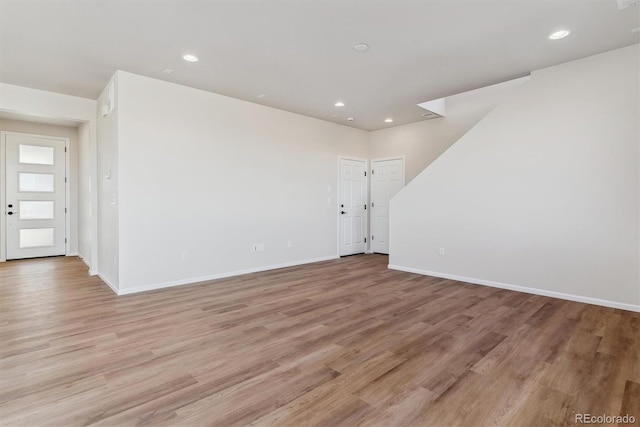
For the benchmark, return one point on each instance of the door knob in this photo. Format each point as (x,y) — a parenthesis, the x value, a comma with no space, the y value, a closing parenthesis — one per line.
(9,213)
(342,212)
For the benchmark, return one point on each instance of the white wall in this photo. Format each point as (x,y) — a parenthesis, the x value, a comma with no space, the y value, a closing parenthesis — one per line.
(48,105)
(424,141)
(211,175)
(544,193)
(108,185)
(65,132)
(84,211)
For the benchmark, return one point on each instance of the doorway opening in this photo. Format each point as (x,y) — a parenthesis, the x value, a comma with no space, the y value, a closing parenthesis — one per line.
(34,195)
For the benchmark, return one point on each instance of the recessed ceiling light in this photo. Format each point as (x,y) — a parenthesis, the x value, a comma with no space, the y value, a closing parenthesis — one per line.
(560,34)
(350,119)
(168,71)
(388,120)
(361,47)
(190,57)
(339,104)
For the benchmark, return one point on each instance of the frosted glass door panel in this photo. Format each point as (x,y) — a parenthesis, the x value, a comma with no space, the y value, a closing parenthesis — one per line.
(36,209)
(35,155)
(36,237)
(35,182)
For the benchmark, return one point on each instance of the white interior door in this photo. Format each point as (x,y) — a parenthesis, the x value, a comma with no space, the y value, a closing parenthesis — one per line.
(353,196)
(35,196)
(387,178)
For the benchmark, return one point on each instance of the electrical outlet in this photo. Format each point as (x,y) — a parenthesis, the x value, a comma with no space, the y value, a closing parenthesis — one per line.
(255,247)
(441,253)
(260,247)
(289,243)
(185,255)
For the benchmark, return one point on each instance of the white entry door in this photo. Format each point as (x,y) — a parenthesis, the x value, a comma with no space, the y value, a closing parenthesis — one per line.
(387,178)
(34,195)
(353,197)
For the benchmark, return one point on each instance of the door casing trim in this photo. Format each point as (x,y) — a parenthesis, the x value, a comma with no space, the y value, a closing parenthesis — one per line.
(3,195)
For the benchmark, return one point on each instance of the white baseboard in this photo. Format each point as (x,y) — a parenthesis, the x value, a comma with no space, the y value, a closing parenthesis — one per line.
(193,280)
(109,284)
(92,272)
(85,261)
(535,291)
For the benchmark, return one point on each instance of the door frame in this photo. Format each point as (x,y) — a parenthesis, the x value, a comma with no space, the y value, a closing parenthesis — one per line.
(3,190)
(339,195)
(404,182)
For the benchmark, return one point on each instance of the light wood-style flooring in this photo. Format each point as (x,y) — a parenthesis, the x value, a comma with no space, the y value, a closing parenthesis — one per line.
(338,343)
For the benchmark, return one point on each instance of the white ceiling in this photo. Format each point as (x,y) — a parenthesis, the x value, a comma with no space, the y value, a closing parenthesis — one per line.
(299,53)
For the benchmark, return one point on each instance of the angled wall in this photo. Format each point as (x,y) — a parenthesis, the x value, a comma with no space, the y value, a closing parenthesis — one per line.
(543,195)
(422,142)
